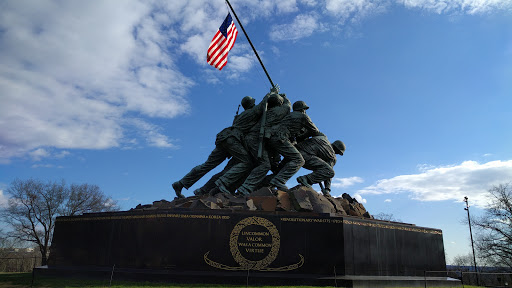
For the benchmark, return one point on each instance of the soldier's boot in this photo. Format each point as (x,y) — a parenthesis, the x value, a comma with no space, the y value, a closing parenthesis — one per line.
(177,186)
(221,187)
(199,192)
(303,180)
(279,186)
(242,190)
(214,191)
(326,192)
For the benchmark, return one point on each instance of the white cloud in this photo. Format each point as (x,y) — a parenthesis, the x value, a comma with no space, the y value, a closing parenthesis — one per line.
(387,200)
(424,167)
(302,26)
(346,182)
(248,10)
(309,2)
(41,153)
(275,50)
(241,63)
(151,133)
(286,6)
(196,46)
(38,154)
(469,178)
(71,71)
(3,199)
(74,74)
(359,198)
(110,203)
(355,10)
(241,60)
(463,6)
(46,166)
(62,154)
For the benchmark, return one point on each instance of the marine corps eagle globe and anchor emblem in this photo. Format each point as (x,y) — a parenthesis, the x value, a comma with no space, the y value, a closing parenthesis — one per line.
(254,244)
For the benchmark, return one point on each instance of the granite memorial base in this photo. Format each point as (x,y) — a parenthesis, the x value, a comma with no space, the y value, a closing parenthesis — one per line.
(253,247)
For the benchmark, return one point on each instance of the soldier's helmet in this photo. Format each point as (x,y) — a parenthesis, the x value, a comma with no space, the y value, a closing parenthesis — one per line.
(248,102)
(338,146)
(300,105)
(275,100)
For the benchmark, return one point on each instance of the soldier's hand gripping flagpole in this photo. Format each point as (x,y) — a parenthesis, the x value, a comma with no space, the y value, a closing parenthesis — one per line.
(264,115)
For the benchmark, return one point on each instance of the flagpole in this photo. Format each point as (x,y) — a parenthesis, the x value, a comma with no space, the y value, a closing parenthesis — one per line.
(249,39)
(264,115)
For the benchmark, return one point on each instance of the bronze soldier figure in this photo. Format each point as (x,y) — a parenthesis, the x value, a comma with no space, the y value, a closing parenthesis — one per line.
(279,140)
(320,157)
(228,143)
(210,184)
(247,121)
(278,108)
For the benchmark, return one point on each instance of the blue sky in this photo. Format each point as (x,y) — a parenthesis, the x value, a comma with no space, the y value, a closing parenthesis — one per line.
(119,94)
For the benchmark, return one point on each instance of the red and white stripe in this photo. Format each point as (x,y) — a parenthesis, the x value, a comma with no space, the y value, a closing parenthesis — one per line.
(217,55)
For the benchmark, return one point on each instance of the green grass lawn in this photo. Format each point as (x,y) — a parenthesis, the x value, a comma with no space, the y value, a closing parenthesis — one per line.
(19,280)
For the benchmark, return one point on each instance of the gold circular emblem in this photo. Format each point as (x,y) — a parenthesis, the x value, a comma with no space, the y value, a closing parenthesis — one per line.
(274,246)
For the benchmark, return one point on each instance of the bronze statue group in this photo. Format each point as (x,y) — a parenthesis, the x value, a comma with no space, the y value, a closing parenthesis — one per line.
(267,137)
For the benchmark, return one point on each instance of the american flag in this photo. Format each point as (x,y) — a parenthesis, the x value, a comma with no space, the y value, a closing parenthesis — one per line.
(222,42)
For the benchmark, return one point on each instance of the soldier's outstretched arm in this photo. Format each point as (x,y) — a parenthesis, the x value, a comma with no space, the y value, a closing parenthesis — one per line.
(261,106)
(310,128)
(286,101)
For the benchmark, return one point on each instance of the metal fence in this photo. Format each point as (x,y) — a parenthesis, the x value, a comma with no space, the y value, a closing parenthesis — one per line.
(468,278)
(487,279)
(19,264)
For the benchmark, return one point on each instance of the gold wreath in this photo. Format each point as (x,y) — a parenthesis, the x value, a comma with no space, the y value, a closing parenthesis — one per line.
(246,264)
(233,243)
(268,269)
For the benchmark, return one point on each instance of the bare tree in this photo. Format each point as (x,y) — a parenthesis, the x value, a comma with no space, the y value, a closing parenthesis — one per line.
(386,217)
(463,261)
(5,244)
(494,238)
(34,205)
(86,198)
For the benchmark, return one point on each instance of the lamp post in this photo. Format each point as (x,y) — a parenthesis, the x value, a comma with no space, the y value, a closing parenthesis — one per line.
(471,235)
